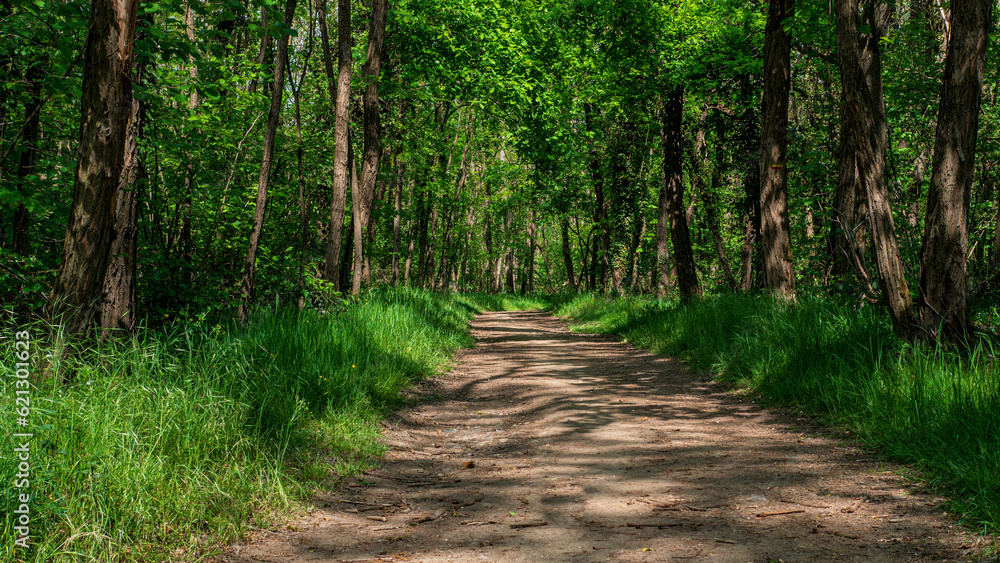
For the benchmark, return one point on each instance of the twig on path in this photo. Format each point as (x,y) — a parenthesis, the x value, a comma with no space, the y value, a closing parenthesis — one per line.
(384,528)
(377,518)
(529,524)
(804,503)
(383,505)
(779,513)
(658,526)
(719,540)
(473,523)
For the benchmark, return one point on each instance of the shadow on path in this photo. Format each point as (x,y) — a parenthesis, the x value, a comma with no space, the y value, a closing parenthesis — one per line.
(623,456)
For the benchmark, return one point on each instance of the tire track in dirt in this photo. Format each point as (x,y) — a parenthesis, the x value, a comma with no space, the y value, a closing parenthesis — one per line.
(545,445)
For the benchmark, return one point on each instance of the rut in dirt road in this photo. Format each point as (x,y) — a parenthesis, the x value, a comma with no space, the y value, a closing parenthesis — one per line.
(545,445)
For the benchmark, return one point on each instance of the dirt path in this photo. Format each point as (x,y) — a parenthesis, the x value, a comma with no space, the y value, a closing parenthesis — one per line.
(553,446)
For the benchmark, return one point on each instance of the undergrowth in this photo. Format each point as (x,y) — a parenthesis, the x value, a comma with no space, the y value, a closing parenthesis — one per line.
(171,443)
(933,407)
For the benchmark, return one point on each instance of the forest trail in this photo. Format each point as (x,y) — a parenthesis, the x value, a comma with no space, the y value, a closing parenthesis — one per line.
(607,453)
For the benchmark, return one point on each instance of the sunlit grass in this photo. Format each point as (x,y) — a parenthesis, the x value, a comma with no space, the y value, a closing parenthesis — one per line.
(165,445)
(935,408)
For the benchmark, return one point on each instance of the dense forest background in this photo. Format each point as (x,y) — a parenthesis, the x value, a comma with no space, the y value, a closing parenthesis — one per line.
(284,153)
(287,213)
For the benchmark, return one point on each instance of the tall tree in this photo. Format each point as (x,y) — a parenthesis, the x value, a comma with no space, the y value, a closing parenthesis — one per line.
(362,201)
(943,299)
(105,107)
(866,127)
(776,241)
(340,140)
(672,196)
(273,116)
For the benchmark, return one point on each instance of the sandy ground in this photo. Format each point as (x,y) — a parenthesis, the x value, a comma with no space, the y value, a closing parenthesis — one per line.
(544,445)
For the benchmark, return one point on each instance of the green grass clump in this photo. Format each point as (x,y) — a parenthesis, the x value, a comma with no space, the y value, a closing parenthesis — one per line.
(173,442)
(936,408)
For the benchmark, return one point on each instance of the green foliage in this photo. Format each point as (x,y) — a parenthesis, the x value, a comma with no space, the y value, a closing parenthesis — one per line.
(935,408)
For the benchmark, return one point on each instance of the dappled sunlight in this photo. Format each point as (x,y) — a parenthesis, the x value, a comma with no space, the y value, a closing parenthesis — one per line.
(554,446)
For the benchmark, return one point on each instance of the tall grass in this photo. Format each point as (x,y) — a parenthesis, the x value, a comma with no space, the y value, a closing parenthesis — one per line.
(165,445)
(936,408)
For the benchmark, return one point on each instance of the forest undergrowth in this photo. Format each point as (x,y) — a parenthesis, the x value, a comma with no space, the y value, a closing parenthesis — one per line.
(179,439)
(935,408)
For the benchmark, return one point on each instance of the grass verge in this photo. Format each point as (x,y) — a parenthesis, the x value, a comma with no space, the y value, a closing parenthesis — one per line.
(934,408)
(172,443)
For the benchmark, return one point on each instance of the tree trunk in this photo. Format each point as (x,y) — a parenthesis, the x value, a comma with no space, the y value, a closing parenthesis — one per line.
(362,200)
(663,241)
(348,249)
(750,146)
(340,140)
(273,115)
(776,247)
(305,205)
(946,231)
(567,252)
(673,189)
(106,105)
(118,307)
(866,125)
(397,220)
(844,220)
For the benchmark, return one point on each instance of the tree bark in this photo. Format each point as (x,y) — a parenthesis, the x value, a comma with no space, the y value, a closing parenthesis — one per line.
(776,247)
(867,127)
(671,117)
(106,105)
(943,305)
(273,115)
(340,140)
(844,220)
(362,201)
(119,305)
